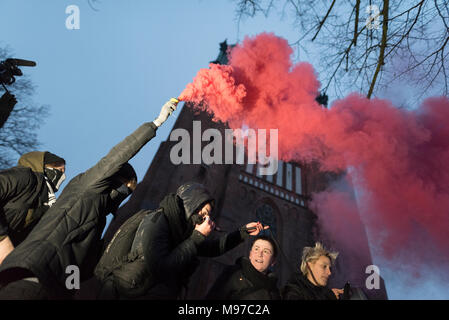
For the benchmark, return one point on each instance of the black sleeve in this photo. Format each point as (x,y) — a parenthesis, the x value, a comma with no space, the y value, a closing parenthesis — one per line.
(3,226)
(291,293)
(91,260)
(120,154)
(275,295)
(217,247)
(13,182)
(161,257)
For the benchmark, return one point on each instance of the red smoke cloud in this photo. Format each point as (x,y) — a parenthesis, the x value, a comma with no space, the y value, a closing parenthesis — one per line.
(216,87)
(397,157)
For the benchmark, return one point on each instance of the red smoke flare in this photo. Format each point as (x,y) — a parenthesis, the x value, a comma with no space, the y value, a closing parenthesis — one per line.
(398,157)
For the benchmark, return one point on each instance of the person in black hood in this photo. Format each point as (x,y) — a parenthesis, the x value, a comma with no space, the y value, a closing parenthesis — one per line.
(169,241)
(26,193)
(311,282)
(249,278)
(69,233)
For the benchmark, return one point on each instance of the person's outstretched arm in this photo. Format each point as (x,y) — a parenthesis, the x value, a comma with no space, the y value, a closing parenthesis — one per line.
(217,247)
(129,147)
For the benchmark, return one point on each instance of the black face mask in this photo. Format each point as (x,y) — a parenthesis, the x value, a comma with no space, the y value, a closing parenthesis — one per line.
(55,177)
(117,196)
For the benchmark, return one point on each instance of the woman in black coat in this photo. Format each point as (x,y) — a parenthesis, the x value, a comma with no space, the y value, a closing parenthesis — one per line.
(311,282)
(300,288)
(249,278)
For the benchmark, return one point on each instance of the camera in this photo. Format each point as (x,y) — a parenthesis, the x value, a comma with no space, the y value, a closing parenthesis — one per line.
(9,69)
(198,219)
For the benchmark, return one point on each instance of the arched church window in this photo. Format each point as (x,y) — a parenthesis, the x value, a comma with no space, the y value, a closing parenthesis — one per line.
(265,213)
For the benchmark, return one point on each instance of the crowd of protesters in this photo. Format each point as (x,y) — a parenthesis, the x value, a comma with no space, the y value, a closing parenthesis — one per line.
(152,255)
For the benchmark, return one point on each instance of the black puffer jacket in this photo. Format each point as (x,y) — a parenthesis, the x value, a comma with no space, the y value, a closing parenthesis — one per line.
(23,196)
(300,288)
(170,245)
(243,282)
(70,231)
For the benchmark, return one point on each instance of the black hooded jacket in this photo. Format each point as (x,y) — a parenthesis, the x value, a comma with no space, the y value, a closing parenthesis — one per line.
(170,246)
(300,288)
(23,196)
(243,282)
(69,233)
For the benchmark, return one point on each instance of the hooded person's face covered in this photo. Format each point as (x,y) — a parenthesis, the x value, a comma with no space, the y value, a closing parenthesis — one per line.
(123,184)
(203,212)
(117,196)
(55,175)
(197,204)
(54,170)
(195,200)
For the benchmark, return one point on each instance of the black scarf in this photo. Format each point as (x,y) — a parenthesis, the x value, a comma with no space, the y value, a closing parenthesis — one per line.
(258,279)
(311,291)
(174,211)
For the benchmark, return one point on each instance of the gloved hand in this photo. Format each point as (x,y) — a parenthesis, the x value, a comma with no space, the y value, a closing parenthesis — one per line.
(166,111)
(7,103)
(8,100)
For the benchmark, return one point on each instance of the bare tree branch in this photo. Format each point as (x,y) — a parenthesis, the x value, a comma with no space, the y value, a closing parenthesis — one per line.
(356,22)
(365,58)
(324,20)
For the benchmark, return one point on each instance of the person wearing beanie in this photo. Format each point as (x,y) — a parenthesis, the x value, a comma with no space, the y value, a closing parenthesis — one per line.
(26,193)
(250,277)
(68,236)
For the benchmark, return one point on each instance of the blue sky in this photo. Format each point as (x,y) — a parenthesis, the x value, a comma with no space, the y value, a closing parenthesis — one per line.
(126,60)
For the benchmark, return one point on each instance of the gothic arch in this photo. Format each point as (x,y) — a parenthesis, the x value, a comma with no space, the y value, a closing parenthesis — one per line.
(267,211)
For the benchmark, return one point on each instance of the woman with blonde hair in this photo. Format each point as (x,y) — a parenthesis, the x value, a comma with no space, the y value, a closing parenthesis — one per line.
(311,282)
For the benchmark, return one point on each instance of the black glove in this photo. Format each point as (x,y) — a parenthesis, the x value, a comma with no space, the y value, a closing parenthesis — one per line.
(7,103)
(8,99)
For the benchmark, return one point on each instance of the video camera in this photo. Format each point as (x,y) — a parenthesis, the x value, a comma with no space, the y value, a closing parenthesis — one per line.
(9,69)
